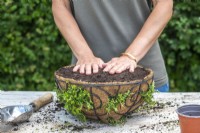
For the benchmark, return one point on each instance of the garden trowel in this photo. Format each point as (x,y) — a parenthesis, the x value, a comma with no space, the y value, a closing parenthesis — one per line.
(20,113)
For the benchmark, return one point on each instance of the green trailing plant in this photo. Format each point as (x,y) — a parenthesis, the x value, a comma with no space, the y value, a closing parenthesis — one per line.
(148,95)
(115,101)
(75,99)
(120,99)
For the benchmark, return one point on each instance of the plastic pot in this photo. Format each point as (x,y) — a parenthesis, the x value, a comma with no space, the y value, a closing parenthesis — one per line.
(189,118)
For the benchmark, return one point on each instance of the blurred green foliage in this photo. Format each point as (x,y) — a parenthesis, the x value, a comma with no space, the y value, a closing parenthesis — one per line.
(31,47)
(180,43)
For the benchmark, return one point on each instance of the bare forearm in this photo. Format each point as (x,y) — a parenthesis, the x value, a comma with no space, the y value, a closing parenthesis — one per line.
(152,28)
(69,28)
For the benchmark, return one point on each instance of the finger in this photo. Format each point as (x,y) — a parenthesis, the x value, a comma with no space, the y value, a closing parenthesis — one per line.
(131,69)
(108,67)
(113,70)
(76,68)
(95,68)
(121,69)
(133,66)
(104,65)
(101,64)
(82,69)
(88,69)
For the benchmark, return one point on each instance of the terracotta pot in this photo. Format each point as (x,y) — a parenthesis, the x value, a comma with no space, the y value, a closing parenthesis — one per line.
(189,118)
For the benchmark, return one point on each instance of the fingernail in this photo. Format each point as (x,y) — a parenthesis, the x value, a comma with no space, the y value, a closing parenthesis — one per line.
(118,71)
(95,71)
(111,72)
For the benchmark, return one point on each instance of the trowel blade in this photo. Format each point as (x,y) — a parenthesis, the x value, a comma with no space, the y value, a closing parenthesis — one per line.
(13,113)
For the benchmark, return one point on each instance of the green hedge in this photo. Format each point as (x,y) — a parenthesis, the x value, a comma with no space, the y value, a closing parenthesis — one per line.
(31,47)
(180,44)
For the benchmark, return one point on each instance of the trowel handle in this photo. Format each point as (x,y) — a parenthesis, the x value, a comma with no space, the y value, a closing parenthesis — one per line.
(42,101)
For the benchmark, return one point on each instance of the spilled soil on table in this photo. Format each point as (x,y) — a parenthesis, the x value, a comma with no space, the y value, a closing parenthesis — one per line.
(48,115)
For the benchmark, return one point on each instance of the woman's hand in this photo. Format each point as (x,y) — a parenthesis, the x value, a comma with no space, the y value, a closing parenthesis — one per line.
(88,65)
(120,64)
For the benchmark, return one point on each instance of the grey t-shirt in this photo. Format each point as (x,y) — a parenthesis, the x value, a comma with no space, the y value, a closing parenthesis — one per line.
(109,27)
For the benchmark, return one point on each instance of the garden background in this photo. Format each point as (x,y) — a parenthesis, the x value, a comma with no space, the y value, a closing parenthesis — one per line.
(31,47)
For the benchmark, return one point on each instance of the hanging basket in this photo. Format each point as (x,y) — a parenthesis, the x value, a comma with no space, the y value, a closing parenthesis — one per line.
(100,92)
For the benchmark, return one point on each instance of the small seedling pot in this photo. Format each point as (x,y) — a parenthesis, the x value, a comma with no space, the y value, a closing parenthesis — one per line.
(189,118)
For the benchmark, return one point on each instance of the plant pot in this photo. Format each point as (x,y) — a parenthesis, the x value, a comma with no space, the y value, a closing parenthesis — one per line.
(100,92)
(189,118)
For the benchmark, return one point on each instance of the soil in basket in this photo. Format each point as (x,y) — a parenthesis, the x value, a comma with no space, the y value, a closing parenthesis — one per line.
(138,74)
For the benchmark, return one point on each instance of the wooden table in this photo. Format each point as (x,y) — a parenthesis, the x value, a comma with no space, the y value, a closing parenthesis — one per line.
(50,119)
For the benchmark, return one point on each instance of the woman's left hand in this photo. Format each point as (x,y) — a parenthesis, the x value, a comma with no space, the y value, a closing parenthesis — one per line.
(120,64)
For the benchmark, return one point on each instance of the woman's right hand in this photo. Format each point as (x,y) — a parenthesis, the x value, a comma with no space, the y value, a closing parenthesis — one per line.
(87,62)
(88,65)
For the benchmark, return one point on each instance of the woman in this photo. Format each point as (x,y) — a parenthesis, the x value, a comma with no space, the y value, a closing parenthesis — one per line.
(114,34)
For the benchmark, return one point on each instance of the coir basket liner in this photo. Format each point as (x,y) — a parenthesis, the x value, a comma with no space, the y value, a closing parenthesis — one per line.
(100,92)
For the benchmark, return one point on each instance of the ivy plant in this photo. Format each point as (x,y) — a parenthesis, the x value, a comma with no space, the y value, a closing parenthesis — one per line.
(120,99)
(74,99)
(148,95)
(115,101)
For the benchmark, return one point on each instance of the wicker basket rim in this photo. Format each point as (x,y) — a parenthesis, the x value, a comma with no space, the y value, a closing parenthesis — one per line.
(78,82)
